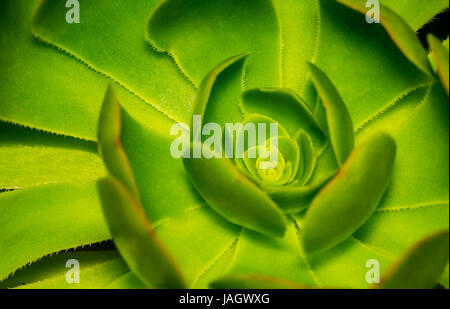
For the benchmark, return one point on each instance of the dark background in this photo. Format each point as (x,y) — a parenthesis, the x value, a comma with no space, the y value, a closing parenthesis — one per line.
(438,26)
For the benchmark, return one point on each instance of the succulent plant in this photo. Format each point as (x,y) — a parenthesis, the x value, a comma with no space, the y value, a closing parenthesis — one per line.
(86,114)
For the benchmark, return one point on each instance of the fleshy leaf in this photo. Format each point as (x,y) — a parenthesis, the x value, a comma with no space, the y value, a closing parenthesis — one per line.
(235,197)
(51,271)
(47,219)
(135,239)
(360,68)
(308,157)
(417,139)
(285,107)
(252,282)
(29,157)
(109,141)
(339,121)
(205,89)
(219,30)
(440,56)
(94,276)
(125,57)
(400,32)
(351,197)
(421,267)
(272,257)
(299,24)
(66,103)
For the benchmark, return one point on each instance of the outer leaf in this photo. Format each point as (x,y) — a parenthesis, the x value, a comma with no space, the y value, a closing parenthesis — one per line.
(421,172)
(235,197)
(252,282)
(420,267)
(272,257)
(125,59)
(65,103)
(440,56)
(299,24)
(29,157)
(339,121)
(351,197)
(70,217)
(400,32)
(233,27)
(91,277)
(33,101)
(134,237)
(361,68)
(52,269)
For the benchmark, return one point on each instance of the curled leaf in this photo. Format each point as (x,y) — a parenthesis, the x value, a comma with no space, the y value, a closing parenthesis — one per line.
(440,57)
(253,282)
(110,146)
(349,200)
(204,91)
(421,266)
(401,33)
(234,196)
(285,107)
(135,239)
(339,121)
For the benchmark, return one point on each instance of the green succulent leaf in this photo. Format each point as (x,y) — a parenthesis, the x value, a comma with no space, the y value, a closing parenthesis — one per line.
(203,95)
(299,22)
(415,269)
(234,196)
(400,32)
(69,215)
(31,157)
(440,57)
(295,114)
(125,59)
(349,199)
(233,27)
(110,146)
(308,157)
(98,268)
(359,78)
(95,277)
(339,121)
(135,239)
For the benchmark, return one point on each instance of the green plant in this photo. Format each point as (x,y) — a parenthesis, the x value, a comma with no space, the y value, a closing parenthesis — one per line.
(328,78)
